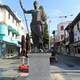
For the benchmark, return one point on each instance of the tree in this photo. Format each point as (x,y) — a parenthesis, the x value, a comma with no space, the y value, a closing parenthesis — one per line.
(45,35)
(45,26)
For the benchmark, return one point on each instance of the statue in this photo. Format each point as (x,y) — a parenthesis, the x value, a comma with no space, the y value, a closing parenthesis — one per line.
(36,27)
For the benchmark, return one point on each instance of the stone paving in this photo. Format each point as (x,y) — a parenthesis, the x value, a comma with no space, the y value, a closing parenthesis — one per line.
(63,70)
(57,76)
(67,68)
(8,67)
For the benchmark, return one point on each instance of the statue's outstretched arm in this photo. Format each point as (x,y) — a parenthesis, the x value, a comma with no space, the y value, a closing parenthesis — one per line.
(27,11)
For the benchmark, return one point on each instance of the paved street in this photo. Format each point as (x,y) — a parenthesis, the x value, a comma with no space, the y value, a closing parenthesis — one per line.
(67,68)
(8,68)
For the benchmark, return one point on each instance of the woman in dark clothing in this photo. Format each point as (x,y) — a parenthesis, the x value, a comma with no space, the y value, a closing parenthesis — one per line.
(27,44)
(53,55)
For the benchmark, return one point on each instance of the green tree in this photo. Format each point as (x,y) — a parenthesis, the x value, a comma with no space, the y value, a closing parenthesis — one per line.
(45,35)
(45,26)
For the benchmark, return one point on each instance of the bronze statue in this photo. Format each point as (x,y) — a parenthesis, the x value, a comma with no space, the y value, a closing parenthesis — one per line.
(36,26)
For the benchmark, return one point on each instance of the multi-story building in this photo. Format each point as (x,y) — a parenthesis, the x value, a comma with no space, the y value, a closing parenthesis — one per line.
(61,30)
(61,36)
(11,29)
(74,35)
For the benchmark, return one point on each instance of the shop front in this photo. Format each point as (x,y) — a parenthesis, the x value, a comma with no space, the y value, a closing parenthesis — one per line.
(75,48)
(8,49)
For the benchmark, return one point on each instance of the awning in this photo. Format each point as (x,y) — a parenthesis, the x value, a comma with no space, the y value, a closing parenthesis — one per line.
(2,34)
(19,42)
(13,30)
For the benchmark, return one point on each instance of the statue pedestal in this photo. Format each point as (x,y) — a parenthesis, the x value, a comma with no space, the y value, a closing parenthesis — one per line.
(39,66)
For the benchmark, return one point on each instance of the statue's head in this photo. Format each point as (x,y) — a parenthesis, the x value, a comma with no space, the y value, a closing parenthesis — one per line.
(36,5)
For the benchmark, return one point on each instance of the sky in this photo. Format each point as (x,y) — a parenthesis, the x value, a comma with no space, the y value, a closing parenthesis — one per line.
(53,8)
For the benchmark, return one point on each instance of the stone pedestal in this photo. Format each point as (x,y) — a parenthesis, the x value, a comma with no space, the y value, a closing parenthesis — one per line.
(39,66)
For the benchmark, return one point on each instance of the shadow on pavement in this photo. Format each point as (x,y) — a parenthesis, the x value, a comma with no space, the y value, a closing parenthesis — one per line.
(67,62)
(7,78)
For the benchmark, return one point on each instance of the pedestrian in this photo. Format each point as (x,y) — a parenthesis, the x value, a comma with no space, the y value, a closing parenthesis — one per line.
(23,46)
(27,44)
(54,53)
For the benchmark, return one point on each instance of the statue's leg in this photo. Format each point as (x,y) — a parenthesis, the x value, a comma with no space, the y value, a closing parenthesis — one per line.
(35,37)
(40,30)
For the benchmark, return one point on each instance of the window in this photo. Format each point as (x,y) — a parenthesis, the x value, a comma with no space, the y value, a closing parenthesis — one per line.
(8,32)
(78,38)
(74,39)
(13,20)
(16,23)
(1,15)
(75,33)
(8,15)
(62,28)
(12,34)
(0,9)
(78,27)
(22,28)
(62,37)
(16,36)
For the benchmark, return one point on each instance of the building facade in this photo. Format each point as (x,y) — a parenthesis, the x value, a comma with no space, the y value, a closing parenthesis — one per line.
(61,36)
(61,30)
(11,29)
(74,35)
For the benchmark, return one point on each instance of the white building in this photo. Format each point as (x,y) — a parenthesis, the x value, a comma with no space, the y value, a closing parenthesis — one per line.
(11,30)
(74,35)
(77,31)
(61,31)
(61,36)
